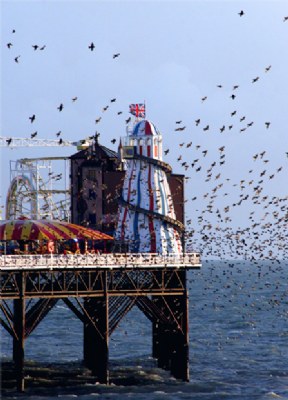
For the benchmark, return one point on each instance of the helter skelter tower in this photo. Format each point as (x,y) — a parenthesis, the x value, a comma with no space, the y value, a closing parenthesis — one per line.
(147,221)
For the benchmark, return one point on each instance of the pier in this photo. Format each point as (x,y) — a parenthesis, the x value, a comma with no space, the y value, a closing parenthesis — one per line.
(100,290)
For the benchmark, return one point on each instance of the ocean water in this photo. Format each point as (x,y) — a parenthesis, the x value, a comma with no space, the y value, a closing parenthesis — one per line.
(238,344)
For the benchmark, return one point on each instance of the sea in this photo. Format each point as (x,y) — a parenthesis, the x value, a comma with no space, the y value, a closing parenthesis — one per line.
(238,329)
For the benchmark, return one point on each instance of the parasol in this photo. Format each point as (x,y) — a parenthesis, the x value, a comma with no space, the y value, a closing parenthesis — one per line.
(28,229)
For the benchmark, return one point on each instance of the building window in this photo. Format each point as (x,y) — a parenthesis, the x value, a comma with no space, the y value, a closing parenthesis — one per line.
(92,194)
(92,219)
(92,175)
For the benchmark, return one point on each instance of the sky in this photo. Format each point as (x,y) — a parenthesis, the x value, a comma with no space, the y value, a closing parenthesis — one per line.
(184,59)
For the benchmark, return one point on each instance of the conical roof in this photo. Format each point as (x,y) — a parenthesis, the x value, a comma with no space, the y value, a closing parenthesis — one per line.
(145,127)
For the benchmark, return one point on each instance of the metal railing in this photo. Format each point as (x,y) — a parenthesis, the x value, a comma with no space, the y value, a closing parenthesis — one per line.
(111,260)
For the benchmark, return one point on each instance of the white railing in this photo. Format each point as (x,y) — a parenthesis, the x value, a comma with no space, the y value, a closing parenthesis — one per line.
(115,260)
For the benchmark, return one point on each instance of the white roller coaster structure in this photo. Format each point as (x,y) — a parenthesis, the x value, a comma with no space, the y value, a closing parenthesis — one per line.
(35,191)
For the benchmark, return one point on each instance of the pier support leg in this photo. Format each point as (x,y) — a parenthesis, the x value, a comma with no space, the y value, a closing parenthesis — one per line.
(18,343)
(161,344)
(170,343)
(96,338)
(180,341)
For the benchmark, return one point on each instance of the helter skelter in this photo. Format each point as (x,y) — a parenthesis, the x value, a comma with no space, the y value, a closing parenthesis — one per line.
(147,220)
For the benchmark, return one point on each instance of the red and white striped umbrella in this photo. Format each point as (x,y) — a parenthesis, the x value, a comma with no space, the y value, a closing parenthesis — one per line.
(27,229)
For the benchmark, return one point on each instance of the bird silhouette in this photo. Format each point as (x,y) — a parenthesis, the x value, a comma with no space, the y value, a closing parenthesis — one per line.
(33,134)
(92,46)
(32,119)
(241,13)
(58,133)
(255,79)
(74,99)
(268,68)
(16,59)
(42,47)
(35,46)
(116,55)
(9,45)
(60,108)
(60,141)
(113,141)
(267,124)
(9,141)
(113,100)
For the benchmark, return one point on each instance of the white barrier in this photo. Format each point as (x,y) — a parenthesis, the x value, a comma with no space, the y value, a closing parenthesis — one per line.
(111,260)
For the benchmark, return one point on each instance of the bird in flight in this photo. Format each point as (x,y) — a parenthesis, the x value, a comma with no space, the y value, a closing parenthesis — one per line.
(267,124)
(60,141)
(74,98)
(255,79)
(113,100)
(241,13)
(97,120)
(60,108)
(268,68)
(9,45)
(33,134)
(92,46)
(9,141)
(32,119)
(35,46)
(58,133)
(16,59)
(113,141)
(43,47)
(285,19)
(116,55)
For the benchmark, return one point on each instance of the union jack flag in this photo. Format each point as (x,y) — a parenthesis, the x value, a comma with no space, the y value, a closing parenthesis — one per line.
(138,110)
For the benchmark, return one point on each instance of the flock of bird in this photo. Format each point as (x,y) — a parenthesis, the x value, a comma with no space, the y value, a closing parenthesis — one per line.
(210,228)
(60,108)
